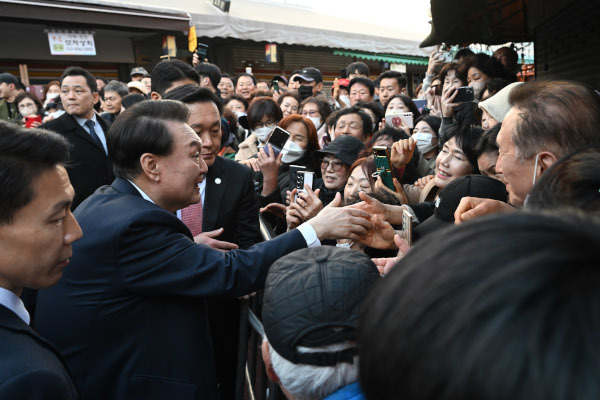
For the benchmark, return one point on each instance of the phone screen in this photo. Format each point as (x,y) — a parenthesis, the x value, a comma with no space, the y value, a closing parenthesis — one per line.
(278,138)
(276,86)
(407,227)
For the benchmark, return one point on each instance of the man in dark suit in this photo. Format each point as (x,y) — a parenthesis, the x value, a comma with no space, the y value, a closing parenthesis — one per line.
(36,232)
(229,203)
(129,315)
(89,166)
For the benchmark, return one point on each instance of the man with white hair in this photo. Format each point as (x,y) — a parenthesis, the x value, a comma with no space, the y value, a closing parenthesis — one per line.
(311,307)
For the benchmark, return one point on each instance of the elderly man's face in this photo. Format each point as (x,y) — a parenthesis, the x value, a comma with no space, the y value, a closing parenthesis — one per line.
(182,170)
(350,124)
(517,174)
(36,246)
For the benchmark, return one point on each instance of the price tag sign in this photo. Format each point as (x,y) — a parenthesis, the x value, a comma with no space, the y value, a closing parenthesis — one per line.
(71,44)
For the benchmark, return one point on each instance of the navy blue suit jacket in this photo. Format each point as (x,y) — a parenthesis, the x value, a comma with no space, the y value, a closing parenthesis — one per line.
(129,313)
(30,367)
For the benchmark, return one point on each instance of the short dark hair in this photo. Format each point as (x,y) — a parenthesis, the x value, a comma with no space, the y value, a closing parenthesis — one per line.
(365,82)
(260,107)
(401,79)
(558,115)
(462,53)
(78,71)
(366,119)
(115,86)
(227,76)
(571,182)
(358,66)
(486,64)
(24,155)
(131,99)
(28,95)
(408,102)
(101,78)
(431,120)
(466,137)
(245,74)
(211,70)
(143,129)
(189,94)
(504,307)
(487,141)
(460,73)
(375,109)
(168,71)
(238,98)
(321,104)
(495,85)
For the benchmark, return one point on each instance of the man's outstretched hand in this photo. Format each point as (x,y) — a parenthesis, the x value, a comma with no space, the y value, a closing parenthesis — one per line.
(335,222)
(208,238)
(384,265)
(473,207)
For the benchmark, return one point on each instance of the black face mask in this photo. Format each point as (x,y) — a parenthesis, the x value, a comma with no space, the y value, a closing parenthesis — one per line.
(305,91)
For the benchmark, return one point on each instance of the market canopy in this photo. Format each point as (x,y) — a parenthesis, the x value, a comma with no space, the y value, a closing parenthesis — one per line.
(279,22)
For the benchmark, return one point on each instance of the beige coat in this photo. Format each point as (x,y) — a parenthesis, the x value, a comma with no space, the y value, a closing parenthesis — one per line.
(248,148)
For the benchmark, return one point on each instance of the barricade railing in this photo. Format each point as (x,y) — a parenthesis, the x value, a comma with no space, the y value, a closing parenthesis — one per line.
(252,382)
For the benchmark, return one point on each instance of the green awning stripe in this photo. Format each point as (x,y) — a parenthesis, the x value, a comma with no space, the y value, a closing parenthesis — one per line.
(384,57)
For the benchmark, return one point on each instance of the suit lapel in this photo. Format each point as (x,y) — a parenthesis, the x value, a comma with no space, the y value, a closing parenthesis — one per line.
(71,124)
(12,322)
(213,195)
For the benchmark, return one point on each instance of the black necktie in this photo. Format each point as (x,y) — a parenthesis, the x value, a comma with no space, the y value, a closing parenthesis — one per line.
(90,124)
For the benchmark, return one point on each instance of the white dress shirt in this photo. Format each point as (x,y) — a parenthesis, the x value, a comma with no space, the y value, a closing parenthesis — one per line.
(11,301)
(97,128)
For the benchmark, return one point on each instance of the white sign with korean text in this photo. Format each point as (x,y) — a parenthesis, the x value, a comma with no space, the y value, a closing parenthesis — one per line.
(71,44)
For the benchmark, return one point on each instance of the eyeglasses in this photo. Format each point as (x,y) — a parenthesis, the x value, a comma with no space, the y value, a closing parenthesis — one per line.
(312,113)
(336,165)
(268,124)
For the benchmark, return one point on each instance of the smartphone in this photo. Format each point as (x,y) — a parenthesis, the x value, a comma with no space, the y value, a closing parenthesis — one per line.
(303,178)
(407,227)
(276,86)
(420,103)
(202,50)
(294,169)
(383,167)
(465,94)
(445,56)
(30,120)
(277,140)
(394,119)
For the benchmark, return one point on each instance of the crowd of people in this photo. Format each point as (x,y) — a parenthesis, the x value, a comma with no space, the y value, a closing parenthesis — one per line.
(428,245)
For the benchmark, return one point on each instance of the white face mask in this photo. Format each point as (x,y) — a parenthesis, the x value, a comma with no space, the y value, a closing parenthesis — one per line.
(291,152)
(262,133)
(344,245)
(478,88)
(316,122)
(346,100)
(240,114)
(424,142)
(51,96)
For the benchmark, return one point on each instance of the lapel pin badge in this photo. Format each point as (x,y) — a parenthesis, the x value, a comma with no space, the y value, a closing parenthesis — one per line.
(218,181)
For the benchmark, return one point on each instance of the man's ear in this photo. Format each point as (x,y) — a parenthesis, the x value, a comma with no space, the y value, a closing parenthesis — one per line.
(205,81)
(319,87)
(155,96)
(545,160)
(403,91)
(267,360)
(96,97)
(150,167)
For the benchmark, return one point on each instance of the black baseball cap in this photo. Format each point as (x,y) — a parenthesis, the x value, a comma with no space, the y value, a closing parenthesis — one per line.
(313,298)
(280,78)
(345,147)
(138,71)
(5,77)
(450,196)
(309,74)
